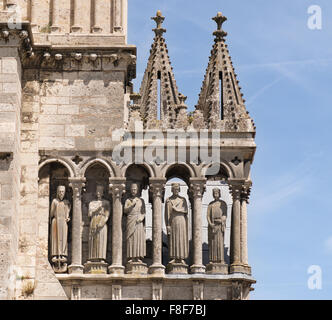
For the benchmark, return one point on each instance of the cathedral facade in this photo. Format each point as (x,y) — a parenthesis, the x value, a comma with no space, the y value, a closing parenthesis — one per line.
(106,193)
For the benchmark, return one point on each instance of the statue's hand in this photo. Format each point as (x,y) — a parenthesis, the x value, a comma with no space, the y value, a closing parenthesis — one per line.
(68,219)
(140,219)
(169,229)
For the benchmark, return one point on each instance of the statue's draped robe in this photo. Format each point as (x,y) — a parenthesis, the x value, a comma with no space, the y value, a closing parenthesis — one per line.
(59,228)
(216,212)
(136,243)
(178,238)
(99,213)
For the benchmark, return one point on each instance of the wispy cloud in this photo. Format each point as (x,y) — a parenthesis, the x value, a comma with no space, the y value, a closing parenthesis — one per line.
(328,245)
(285,187)
(322,62)
(262,91)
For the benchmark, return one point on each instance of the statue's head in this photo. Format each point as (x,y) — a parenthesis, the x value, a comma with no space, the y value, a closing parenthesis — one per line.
(175,188)
(216,193)
(99,192)
(134,189)
(61,191)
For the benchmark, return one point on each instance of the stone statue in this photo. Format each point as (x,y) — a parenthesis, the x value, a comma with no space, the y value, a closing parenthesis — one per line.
(60,209)
(176,216)
(99,211)
(134,209)
(216,217)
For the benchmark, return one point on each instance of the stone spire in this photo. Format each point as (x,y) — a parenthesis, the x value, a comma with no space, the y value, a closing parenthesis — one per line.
(159,69)
(221,100)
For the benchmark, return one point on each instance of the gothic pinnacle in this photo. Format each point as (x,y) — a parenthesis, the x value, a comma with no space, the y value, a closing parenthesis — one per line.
(159,19)
(219,33)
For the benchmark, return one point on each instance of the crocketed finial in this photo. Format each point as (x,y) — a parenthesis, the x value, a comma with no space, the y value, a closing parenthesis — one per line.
(219,19)
(159,19)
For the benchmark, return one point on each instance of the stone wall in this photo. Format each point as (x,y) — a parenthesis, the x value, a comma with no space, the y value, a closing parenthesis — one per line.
(10,104)
(78,111)
(59,21)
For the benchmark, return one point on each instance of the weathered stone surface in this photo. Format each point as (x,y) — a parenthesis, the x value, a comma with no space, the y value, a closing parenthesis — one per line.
(64,89)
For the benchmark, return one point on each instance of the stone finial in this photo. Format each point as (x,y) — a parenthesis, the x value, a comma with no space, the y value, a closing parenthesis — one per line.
(182,99)
(159,19)
(219,19)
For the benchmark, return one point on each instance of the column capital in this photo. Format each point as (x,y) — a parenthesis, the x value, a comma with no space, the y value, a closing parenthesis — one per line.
(240,188)
(197,187)
(236,187)
(245,192)
(77,183)
(117,187)
(157,186)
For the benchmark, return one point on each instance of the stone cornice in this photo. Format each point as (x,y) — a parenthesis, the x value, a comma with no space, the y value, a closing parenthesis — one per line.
(68,57)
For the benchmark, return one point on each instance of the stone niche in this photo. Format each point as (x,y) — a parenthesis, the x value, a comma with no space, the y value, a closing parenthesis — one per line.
(96,175)
(50,177)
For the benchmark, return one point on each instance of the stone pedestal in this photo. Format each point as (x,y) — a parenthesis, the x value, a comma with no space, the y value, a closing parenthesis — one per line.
(116,269)
(157,269)
(76,29)
(136,268)
(247,269)
(238,268)
(217,268)
(95,267)
(197,269)
(75,269)
(177,268)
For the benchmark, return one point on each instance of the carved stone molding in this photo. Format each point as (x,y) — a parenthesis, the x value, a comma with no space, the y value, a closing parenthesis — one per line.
(76,291)
(157,187)
(22,36)
(116,292)
(157,290)
(197,187)
(236,290)
(77,185)
(117,187)
(198,290)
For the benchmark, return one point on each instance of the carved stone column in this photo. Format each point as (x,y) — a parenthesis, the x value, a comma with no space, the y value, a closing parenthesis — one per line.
(244,226)
(157,187)
(56,8)
(78,14)
(236,189)
(118,16)
(117,189)
(197,188)
(33,16)
(76,247)
(98,16)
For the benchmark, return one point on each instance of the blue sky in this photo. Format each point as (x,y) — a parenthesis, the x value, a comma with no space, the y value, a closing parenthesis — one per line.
(285,71)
